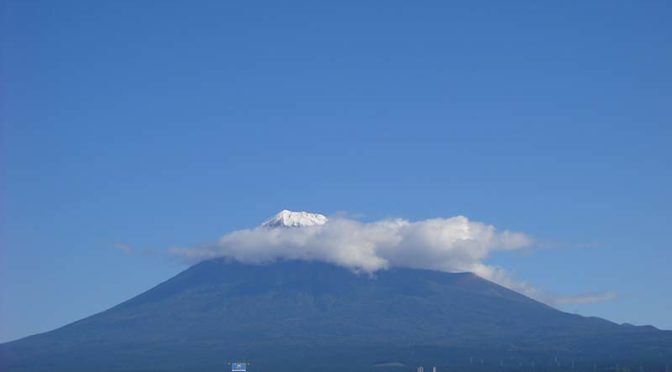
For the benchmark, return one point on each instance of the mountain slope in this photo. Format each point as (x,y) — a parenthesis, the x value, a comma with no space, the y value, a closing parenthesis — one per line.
(312,316)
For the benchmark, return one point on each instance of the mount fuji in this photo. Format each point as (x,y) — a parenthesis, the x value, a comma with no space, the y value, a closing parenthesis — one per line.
(297,315)
(287,218)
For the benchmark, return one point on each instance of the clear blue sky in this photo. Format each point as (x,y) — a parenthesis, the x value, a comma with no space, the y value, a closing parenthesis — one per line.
(160,124)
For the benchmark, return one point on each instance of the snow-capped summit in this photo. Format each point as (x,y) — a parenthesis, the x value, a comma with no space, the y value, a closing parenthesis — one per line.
(295,219)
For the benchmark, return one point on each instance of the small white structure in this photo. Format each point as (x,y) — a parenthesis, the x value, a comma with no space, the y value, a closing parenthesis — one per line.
(239,367)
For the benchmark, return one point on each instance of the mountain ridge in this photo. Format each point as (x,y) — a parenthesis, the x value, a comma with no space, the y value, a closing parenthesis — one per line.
(311,315)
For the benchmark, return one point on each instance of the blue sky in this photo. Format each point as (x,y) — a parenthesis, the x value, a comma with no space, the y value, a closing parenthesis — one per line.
(168,124)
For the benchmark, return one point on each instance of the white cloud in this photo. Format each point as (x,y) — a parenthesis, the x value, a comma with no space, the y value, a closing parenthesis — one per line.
(123,247)
(586,298)
(447,244)
(453,244)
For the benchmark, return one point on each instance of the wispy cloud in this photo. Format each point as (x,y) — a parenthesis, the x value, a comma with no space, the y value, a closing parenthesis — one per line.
(123,247)
(587,298)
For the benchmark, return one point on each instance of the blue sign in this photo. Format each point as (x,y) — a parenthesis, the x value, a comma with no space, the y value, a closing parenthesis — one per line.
(238,367)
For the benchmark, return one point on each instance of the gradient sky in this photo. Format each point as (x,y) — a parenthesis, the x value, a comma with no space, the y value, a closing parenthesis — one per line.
(150,125)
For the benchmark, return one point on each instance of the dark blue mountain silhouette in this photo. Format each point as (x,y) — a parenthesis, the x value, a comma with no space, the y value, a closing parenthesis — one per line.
(307,316)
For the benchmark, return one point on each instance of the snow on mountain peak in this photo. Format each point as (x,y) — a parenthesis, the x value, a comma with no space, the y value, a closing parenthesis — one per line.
(288,218)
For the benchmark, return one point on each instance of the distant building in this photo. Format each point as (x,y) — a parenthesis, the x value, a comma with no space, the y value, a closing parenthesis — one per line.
(421,369)
(238,367)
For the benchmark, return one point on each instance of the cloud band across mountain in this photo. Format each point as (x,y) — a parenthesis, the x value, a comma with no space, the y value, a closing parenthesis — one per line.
(448,244)
(453,244)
